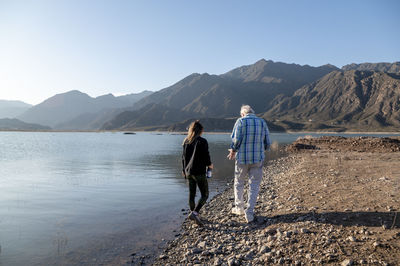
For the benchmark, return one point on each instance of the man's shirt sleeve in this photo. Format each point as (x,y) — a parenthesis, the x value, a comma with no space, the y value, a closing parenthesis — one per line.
(237,135)
(267,141)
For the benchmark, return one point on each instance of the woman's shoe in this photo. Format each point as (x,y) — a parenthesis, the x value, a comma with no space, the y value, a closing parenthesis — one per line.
(195,218)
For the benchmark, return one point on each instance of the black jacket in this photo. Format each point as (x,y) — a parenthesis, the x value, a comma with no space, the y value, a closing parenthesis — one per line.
(201,158)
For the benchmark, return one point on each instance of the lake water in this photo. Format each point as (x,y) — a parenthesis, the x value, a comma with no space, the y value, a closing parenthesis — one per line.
(94,198)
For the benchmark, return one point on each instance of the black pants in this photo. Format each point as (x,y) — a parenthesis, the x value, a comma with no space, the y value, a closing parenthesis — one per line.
(201,182)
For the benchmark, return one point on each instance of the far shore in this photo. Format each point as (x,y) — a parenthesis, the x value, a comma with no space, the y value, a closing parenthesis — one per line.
(210,132)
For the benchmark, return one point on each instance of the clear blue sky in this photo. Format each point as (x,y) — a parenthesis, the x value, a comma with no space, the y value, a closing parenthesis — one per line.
(121,46)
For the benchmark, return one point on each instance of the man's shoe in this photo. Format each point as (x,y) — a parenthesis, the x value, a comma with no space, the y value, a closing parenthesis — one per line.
(249,217)
(237,211)
(195,218)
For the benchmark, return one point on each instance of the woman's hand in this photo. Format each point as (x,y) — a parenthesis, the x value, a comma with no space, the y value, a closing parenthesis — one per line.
(211,166)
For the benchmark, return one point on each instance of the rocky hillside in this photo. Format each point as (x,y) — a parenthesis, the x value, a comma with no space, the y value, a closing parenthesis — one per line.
(11,109)
(358,100)
(148,117)
(220,96)
(257,84)
(90,121)
(63,111)
(15,124)
(381,67)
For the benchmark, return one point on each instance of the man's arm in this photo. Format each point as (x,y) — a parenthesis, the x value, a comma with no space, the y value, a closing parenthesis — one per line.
(267,141)
(237,135)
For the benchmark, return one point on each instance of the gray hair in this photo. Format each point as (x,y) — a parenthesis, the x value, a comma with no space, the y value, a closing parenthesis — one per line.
(246,109)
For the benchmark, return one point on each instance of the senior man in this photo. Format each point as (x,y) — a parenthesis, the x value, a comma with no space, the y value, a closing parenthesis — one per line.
(250,140)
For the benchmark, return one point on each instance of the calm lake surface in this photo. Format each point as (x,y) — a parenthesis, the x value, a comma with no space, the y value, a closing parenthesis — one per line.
(94,198)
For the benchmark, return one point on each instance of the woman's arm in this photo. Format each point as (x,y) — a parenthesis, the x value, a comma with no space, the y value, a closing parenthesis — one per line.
(207,157)
(183,160)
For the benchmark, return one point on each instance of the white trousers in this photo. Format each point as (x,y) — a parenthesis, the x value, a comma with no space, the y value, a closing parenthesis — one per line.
(253,174)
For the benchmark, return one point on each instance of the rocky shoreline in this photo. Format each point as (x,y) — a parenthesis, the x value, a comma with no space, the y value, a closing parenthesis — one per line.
(328,202)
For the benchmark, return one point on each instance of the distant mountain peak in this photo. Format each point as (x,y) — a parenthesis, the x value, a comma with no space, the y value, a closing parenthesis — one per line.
(269,71)
(263,61)
(193,75)
(381,67)
(109,95)
(11,109)
(13,103)
(330,66)
(76,92)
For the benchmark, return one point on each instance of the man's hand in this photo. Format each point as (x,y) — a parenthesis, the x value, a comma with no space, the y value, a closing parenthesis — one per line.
(231,155)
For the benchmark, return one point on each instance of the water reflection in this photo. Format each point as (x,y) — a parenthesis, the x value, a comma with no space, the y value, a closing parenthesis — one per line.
(172,165)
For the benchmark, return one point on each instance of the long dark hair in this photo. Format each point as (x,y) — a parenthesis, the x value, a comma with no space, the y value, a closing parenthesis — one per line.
(195,129)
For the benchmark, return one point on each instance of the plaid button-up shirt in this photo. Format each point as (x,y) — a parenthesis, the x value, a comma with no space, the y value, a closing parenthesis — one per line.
(250,139)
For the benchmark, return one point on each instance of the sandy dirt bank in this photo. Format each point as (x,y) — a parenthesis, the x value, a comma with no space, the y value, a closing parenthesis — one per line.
(332,200)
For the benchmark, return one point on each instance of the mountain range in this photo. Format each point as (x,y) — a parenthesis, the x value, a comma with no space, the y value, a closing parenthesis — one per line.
(222,95)
(10,124)
(75,110)
(343,100)
(289,96)
(12,109)
(380,67)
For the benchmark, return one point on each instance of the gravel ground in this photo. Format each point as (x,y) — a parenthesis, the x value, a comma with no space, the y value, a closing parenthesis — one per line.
(332,200)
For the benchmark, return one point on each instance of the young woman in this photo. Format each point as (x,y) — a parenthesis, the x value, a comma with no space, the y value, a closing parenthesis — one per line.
(195,160)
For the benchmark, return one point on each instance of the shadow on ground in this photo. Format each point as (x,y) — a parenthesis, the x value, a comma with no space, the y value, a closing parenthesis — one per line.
(389,220)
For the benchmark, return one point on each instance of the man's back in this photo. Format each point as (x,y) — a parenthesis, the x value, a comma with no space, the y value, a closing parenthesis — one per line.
(250,138)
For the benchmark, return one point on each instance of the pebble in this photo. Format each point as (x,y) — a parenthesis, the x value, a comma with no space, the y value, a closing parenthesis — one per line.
(163,256)
(352,239)
(376,244)
(264,249)
(202,244)
(217,261)
(304,231)
(196,250)
(270,231)
(347,262)
(232,262)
